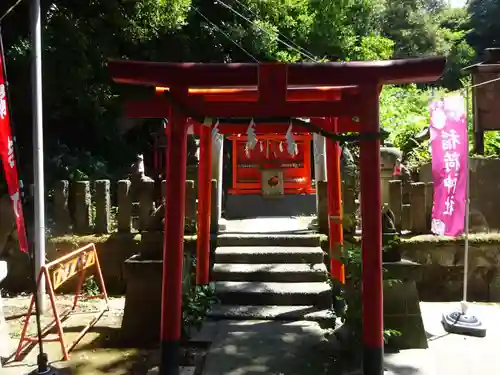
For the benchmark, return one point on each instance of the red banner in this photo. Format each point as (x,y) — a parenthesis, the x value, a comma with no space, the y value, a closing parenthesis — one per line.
(8,158)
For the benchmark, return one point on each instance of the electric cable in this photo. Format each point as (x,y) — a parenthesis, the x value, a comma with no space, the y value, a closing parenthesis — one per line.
(304,52)
(224,33)
(261,28)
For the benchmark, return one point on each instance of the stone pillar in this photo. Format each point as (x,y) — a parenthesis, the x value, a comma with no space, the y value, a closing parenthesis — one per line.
(396,202)
(319,158)
(124,199)
(429,202)
(213,208)
(417,202)
(83,212)
(217,160)
(5,349)
(319,178)
(102,206)
(61,208)
(146,203)
(388,159)
(350,208)
(163,191)
(322,205)
(190,212)
(406,218)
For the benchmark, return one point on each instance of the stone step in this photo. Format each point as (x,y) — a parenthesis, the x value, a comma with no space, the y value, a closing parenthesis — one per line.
(283,272)
(268,239)
(318,294)
(283,313)
(268,254)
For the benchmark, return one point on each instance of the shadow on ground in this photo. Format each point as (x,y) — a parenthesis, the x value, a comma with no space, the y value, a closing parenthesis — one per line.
(264,347)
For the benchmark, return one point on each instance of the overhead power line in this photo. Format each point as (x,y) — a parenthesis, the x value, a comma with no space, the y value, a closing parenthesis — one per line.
(224,33)
(308,55)
(8,11)
(305,52)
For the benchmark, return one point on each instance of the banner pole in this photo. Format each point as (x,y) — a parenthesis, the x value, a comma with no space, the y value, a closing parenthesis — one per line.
(42,360)
(467,211)
(461,321)
(39,184)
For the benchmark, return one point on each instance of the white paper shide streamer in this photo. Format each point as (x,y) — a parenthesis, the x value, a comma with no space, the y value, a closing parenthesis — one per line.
(291,146)
(252,138)
(216,136)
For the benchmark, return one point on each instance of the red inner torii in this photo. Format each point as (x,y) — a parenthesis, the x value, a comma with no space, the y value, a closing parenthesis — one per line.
(326,93)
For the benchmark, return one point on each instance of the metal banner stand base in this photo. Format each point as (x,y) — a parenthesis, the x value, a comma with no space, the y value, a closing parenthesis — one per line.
(463,323)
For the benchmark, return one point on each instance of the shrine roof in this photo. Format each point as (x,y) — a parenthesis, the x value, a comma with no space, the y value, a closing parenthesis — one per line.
(332,75)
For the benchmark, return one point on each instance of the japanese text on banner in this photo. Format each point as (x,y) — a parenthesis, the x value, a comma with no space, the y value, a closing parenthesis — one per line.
(449,145)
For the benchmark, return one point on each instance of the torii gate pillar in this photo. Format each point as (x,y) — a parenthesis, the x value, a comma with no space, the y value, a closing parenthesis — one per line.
(173,247)
(371,234)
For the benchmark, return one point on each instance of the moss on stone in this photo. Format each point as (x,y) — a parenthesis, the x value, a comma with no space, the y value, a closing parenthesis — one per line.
(82,240)
(473,238)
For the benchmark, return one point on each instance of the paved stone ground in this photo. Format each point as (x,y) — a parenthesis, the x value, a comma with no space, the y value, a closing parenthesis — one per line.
(95,354)
(449,353)
(265,347)
(300,348)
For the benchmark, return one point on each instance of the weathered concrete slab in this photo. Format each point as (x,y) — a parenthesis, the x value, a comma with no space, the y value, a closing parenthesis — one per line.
(285,272)
(282,313)
(273,293)
(268,239)
(269,254)
(264,347)
(269,224)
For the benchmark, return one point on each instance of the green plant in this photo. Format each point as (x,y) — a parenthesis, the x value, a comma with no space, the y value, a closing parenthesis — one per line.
(195,304)
(90,287)
(352,293)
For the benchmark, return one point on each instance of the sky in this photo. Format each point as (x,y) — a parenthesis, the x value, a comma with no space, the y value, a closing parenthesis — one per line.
(457,3)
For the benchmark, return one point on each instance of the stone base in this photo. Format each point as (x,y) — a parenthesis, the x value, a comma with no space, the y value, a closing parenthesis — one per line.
(142,313)
(402,307)
(255,205)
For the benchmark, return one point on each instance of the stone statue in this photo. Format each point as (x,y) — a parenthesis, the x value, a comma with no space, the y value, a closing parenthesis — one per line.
(137,177)
(388,220)
(389,236)
(477,222)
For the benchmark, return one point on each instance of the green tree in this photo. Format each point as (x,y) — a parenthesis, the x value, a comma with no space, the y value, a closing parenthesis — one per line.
(484,24)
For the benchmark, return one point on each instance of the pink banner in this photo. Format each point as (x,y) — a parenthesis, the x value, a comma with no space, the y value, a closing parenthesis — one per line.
(450,148)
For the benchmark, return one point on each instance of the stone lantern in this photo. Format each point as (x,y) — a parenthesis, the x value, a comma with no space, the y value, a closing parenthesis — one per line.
(389,156)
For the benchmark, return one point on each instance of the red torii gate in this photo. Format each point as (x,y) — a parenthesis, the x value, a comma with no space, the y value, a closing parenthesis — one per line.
(320,91)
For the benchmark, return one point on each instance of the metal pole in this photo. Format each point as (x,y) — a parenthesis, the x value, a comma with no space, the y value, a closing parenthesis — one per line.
(467,211)
(39,191)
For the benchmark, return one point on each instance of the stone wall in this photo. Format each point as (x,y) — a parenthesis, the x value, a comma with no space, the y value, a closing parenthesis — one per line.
(442,266)
(101,207)
(113,250)
(411,204)
(484,184)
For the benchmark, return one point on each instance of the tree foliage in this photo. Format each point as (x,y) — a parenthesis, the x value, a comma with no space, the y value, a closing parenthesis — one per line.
(82,109)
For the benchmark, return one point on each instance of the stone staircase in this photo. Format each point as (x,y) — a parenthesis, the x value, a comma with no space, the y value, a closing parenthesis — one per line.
(271,277)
